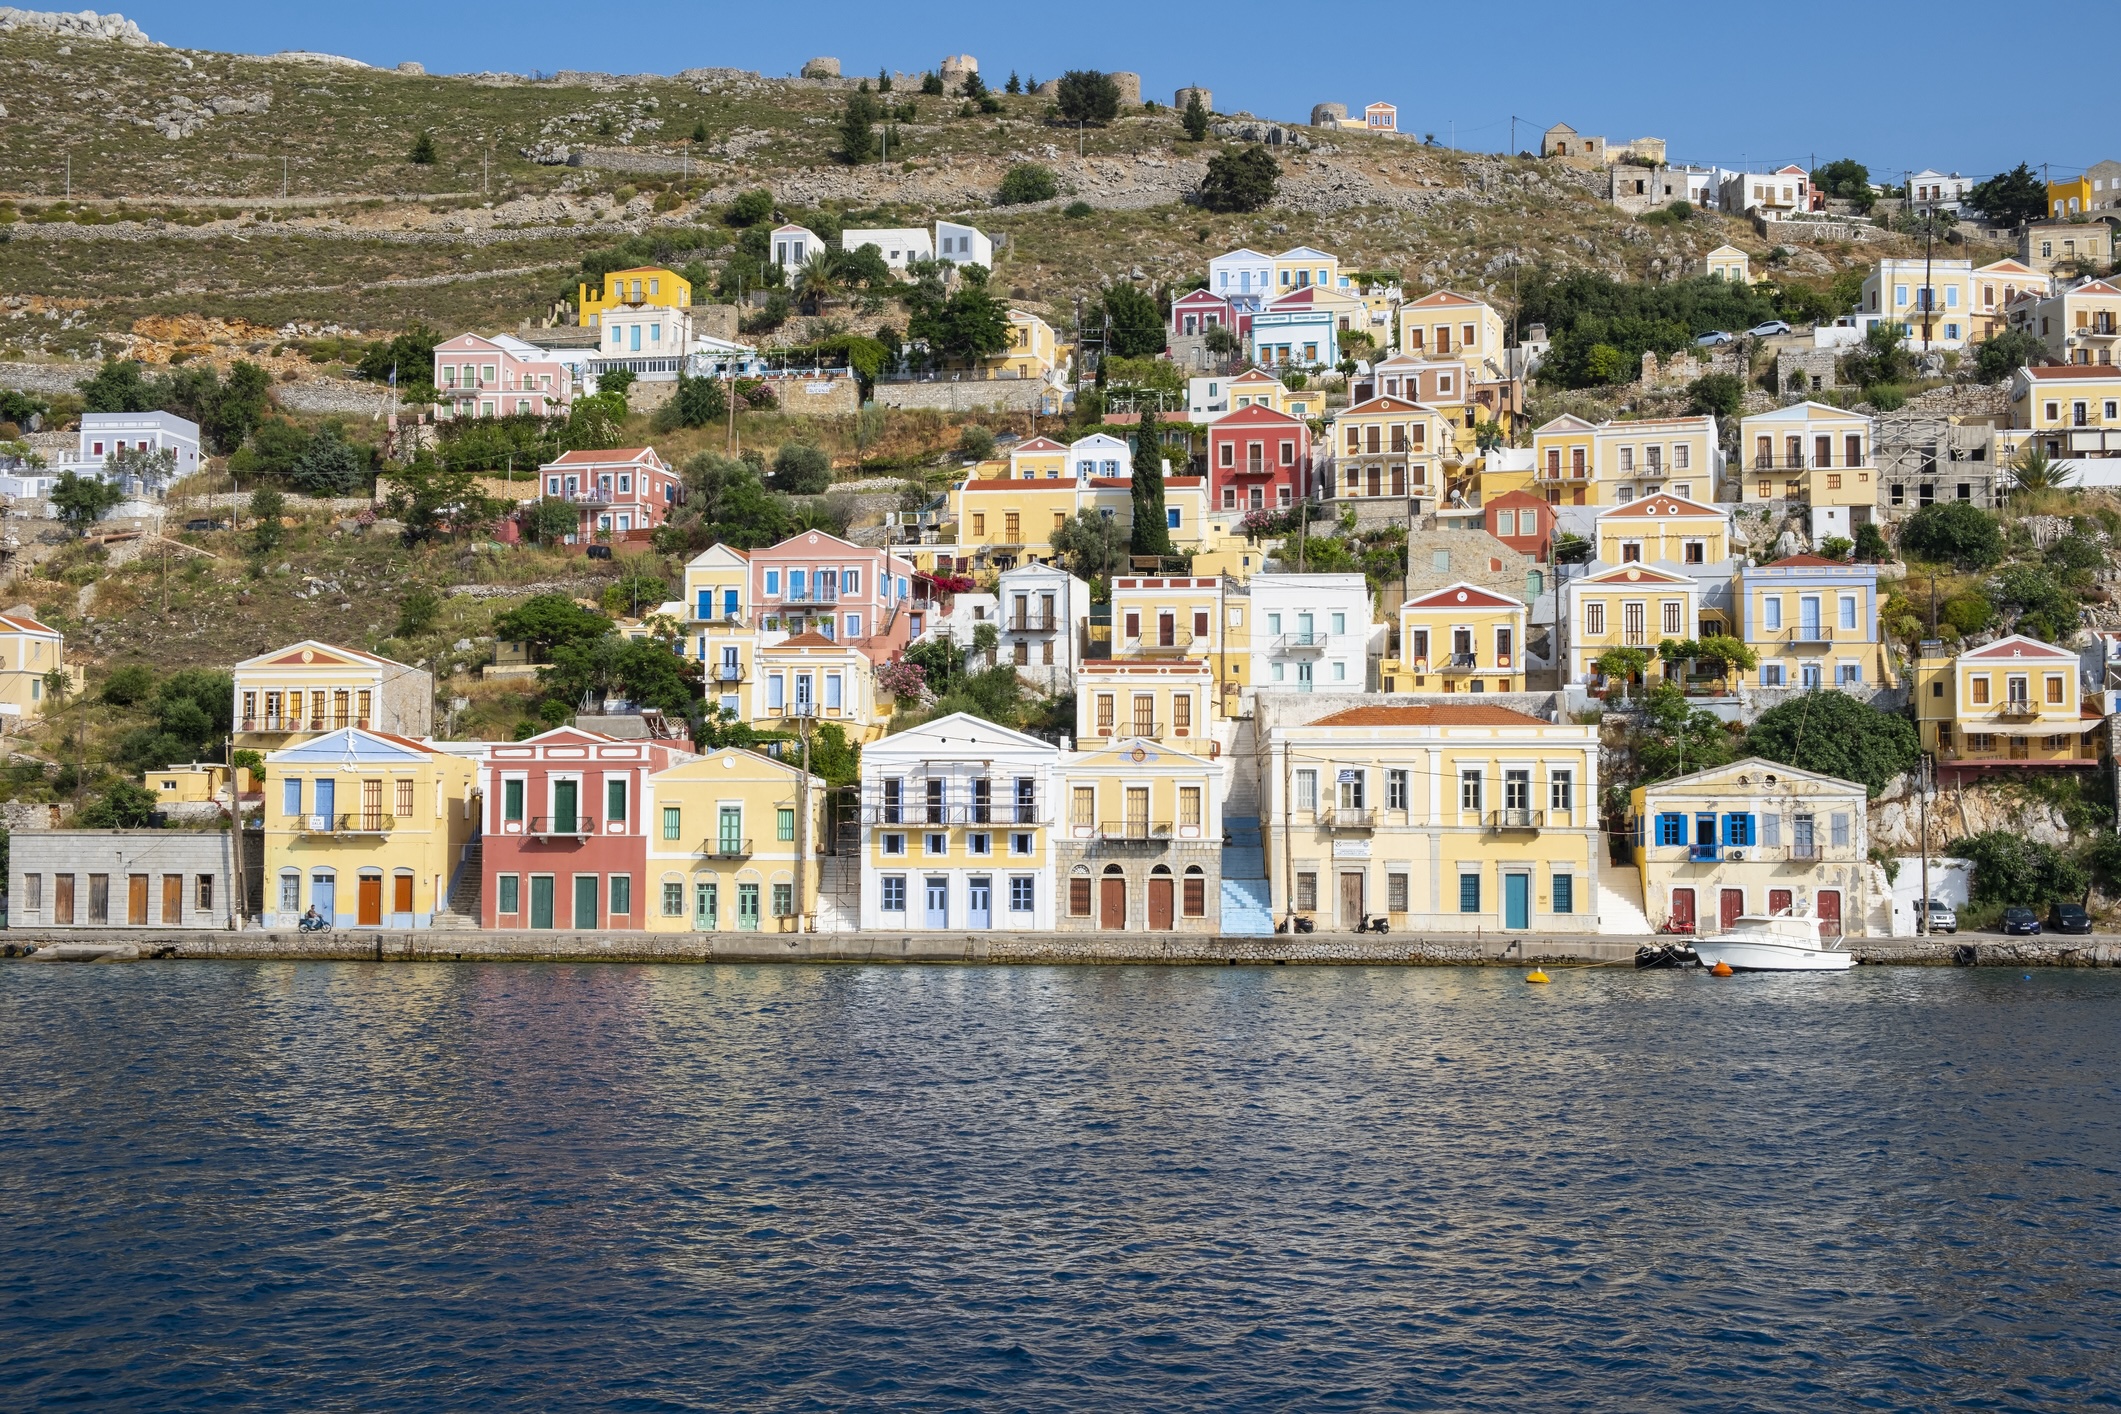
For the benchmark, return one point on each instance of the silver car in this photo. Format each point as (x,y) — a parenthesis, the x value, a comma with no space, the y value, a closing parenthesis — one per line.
(1942,917)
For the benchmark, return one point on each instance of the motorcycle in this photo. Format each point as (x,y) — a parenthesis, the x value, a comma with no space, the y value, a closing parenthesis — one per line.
(1375,923)
(314,925)
(1296,925)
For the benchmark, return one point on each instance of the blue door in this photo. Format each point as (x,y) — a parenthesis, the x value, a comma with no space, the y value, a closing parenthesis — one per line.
(938,901)
(1517,900)
(979,904)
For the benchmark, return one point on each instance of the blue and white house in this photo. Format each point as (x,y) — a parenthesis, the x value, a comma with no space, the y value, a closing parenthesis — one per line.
(1296,330)
(104,433)
(1100,454)
(1245,277)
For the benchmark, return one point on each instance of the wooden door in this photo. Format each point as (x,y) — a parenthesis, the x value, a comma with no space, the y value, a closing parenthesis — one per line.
(1830,912)
(541,900)
(136,900)
(1778,901)
(1351,900)
(172,898)
(1112,903)
(1160,910)
(401,894)
(1731,907)
(62,898)
(371,905)
(1683,910)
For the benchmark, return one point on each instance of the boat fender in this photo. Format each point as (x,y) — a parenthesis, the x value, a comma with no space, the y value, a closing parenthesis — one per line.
(1535,975)
(1721,969)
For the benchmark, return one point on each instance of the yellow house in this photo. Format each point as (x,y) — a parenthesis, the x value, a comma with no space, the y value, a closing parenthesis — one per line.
(2069,410)
(1252,388)
(1006,521)
(29,652)
(1170,702)
(1996,287)
(312,687)
(1814,454)
(1302,267)
(726,825)
(1447,324)
(1032,351)
(1038,459)
(718,586)
(1813,622)
(1139,847)
(1165,617)
(1387,447)
(1565,463)
(2011,703)
(2080,325)
(809,677)
(1754,838)
(1227,554)
(1667,530)
(1628,606)
(1460,638)
(1642,457)
(1466,818)
(2070,197)
(1727,262)
(200,783)
(644,284)
(368,828)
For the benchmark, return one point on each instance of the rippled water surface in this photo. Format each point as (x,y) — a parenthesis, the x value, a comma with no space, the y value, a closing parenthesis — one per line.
(554,1188)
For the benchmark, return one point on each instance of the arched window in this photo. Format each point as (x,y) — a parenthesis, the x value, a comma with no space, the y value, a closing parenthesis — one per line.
(1193,900)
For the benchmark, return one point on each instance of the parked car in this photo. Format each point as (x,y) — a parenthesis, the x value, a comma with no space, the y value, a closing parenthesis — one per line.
(1943,918)
(1713,340)
(2069,918)
(2020,920)
(1773,326)
(598,552)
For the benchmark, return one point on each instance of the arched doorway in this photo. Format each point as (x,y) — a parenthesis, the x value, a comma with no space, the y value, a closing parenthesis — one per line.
(1161,911)
(1112,899)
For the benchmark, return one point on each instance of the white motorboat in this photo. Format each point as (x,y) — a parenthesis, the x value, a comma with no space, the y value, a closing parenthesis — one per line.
(1782,943)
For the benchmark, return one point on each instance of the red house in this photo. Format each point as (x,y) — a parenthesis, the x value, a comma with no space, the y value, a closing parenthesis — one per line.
(617,491)
(1522,521)
(1257,457)
(1198,311)
(566,841)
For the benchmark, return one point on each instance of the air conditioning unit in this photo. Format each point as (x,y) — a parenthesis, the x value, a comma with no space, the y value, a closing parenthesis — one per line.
(1734,856)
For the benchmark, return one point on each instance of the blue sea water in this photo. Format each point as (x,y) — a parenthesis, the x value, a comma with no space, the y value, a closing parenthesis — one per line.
(376,1187)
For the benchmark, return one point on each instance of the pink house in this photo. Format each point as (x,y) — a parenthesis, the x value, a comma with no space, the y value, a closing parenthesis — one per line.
(498,377)
(616,491)
(813,582)
(1198,311)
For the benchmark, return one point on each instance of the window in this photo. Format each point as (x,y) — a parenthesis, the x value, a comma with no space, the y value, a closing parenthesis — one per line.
(2054,690)
(1395,893)
(1306,892)
(1396,789)
(615,800)
(894,844)
(935,842)
(892,897)
(1737,829)
(510,893)
(622,893)
(1189,806)
(784,823)
(1838,831)
(1671,828)
(1594,618)
(1564,893)
(1674,621)
(673,898)
(291,796)
(673,819)
(1561,791)
(1771,611)
(1469,790)
(783,900)
(1023,893)
(1469,893)
(1079,896)
(1194,896)
(1307,789)
(1020,842)
(979,843)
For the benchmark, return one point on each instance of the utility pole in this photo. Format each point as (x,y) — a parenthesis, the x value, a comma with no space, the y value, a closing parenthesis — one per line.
(283,177)
(1922,796)
(802,828)
(69,176)
(1929,292)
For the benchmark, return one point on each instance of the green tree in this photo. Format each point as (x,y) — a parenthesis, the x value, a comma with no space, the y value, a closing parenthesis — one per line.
(968,325)
(818,282)
(1606,364)
(1998,357)
(2045,609)
(330,465)
(122,805)
(274,447)
(801,469)
(1718,655)
(81,501)
(1194,119)
(698,402)
(1956,533)
(1134,326)
(418,612)
(1882,357)
(1583,310)
(1087,96)
(423,150)
(267,505)
(241,408)
(1026,182)
(1015,84)
(1677,737)
(433,501)
(1151,533)
(1871,548)
(1092,544)
(129,685)
(1836,735)
(751,207)
(1719,395)
(975,442)
(1846,179)
(1572,549)
(732,505)
(857,128)
(2011,869)
(2009,198)
(550,520)
(410,355)
(1967,612)
(615,383)
(2034,471)
(119,386)
(1619,665)
(549,621)
(1240,181)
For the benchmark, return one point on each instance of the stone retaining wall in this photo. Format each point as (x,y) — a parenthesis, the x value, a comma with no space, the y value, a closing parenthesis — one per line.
(992,395)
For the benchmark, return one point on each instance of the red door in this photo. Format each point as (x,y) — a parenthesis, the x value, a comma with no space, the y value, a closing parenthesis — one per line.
(1830,912)
(1160,903)
(1778,901)
(1112,903)
(1731,906)
(1682,910)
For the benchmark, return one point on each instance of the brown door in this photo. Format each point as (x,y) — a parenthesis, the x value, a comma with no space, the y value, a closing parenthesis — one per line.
(1112,903)
(1778,901)
(1159,903)
(62,898)
(371,914)
(1351,900)
(1731,907)
(172,898)
(401,888)
(1683,910)
(136,900)
(1830,912)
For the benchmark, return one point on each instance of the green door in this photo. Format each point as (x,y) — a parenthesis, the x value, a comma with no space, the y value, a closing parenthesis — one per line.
(706,905)
(541,900)
(585,900)
(564,805)
(747,907)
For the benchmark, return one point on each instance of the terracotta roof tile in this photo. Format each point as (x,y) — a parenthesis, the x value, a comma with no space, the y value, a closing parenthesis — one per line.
(1467,716)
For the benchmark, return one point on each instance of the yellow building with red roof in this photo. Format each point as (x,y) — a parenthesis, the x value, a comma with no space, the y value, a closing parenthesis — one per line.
(30,651)
(308,688)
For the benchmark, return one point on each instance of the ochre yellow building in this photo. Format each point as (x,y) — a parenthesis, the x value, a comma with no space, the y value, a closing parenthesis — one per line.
(735,842)
(312,687)
(2010,703)
(644,284)
(1460,638)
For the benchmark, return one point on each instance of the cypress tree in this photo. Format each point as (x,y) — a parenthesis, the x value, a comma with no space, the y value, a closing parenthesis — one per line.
(1152,534)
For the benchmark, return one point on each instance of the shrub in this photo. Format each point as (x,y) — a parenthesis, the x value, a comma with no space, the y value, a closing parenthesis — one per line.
(1833,733)
(1716,394)
(2010,869)
(1998,358)
(1240,181)
(800,469)
(975,441)
(129,686)
(423,150)
(1870,544)
(1954,532)
(1027,182)
(1077,210)
(751,208)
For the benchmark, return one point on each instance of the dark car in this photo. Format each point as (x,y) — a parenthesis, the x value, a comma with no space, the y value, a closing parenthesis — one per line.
(2020,920)
(598,552)
(2069,918)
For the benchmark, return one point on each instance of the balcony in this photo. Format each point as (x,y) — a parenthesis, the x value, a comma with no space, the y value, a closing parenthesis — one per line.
(1635,638)
(1348,817)
(334,722)
(1031,623)
(1810,633)
(1805,853)
(1515,817)
(725,847)
(1133,832)
(363,822)
(1301,644)
(1177,642)
(728,672)
(1458,664)
(562,827)
(1555,475)
(1701,854)
(806,596)
(2018,709)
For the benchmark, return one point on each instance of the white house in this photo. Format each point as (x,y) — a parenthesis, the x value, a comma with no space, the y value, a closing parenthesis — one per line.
(1311,631)
(1294,329)
(724,358)
(652,341)
(963,245)
(1773,194)
(103,433)
(1931,190)
(1207,398)
(956,829)
(1244,275)
(899,245)
(792,246)
(1045,616)
(1100,454)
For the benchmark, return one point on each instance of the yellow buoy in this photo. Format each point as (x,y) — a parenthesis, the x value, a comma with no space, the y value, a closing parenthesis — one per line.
(1535,975)
(1721,969)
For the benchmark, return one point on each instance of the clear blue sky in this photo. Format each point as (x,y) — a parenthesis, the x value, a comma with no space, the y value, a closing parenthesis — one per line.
(1781,81)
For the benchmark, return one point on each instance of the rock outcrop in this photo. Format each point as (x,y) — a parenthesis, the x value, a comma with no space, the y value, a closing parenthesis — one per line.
(86,24)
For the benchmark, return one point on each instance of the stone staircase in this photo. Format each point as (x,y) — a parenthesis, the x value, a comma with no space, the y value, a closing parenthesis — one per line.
(466,890)
(839,883)
(1247,903)
(1620,912)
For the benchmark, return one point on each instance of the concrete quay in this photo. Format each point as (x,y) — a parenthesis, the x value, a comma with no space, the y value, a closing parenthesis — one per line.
(1045,949)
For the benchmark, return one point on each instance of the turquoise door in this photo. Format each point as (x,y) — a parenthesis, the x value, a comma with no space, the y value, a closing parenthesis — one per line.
(1517,900)
(747,907)
(705,900)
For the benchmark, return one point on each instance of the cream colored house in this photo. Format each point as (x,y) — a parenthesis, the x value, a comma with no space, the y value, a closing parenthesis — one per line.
(1447,324)
(313,687)
(1814,454)
(2081,325)
(1460,638)
(735,841)
(1171,702)
(29,652)
(1139,845)
(2067,410)
(2011,704)
(1727,262)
